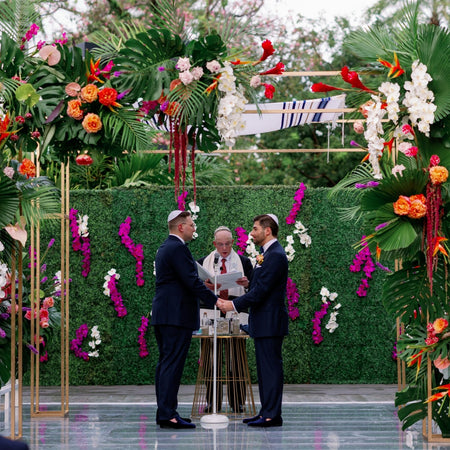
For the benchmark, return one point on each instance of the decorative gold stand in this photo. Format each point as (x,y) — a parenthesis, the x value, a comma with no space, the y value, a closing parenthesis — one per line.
(234,374)
(36,410)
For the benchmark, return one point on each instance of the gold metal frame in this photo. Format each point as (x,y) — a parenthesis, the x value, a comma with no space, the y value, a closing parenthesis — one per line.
(36,410)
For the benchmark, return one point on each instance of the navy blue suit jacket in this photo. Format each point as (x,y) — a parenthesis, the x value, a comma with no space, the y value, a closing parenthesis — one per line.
(178,287)
(268,314)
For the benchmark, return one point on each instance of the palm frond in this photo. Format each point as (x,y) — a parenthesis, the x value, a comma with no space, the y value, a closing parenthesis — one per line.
(17,16)
(40,200)
(9,202)
(131,133)
(408,290)
(167,17)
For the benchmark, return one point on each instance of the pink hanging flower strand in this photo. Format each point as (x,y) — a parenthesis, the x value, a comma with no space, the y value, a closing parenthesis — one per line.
(242,238)
(318,316)
(80,242)
(75,344)
(363,261)
(116,297)
(293,297)
(143,352)
(181,201)
(298,199)
(136,250)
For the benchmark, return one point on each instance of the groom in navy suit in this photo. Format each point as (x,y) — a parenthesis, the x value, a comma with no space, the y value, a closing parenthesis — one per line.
(268,318)
(175,314)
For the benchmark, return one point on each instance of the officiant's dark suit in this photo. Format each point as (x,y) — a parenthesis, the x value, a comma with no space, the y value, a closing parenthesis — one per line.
(175,314)
(268,318)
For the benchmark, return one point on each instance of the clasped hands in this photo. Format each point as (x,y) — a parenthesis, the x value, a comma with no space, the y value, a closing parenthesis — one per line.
(225,305)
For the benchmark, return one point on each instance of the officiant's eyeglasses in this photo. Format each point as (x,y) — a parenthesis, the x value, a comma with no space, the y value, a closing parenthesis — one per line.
(224,244)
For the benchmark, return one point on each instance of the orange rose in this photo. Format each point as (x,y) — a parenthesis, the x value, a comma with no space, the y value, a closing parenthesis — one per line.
(402,206)
(44,324)
(440,325)
(92,123)
(89,93)
(74,109)
(438,174)
(418,207)
(441,363)
(27,168)
(48,302)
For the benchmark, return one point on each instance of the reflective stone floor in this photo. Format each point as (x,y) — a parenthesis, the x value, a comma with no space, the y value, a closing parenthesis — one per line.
(316,417)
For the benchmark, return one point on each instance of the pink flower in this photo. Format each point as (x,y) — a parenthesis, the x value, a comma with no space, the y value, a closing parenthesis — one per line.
(255,81)
(197,73)
(434,160)
(407,129)
(298,198)
(242,238)
(358,126)
(399,168)
(318,316)
(213,66)
(9,172)
(143,352)
(292,296)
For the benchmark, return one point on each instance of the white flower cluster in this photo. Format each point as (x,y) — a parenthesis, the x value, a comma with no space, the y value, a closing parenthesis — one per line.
(392,93)
(82,222)
(187,76)
(327,296)
(419,99)
(194,210)
(111,272)
(96,340)
(3,279)
(231,106)
(305,239)
(251,250)
(374,132)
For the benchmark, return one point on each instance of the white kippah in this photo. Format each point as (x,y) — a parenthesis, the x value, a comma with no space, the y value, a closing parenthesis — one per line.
(274,217)
(173,215)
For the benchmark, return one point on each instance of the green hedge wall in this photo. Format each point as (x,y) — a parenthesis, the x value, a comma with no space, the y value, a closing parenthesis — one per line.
(359,351)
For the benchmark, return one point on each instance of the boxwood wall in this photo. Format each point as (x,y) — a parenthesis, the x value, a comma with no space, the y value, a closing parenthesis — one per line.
(359,351)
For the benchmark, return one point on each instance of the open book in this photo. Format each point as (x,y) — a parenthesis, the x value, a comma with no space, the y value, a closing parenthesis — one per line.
(226,280)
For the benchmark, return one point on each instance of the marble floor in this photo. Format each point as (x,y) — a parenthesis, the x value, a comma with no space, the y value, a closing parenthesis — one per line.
(316,417)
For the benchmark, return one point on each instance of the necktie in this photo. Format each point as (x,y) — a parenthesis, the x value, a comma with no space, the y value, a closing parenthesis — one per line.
(223,269)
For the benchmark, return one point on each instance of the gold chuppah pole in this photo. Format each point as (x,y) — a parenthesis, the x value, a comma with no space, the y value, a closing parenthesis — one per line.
(64,300)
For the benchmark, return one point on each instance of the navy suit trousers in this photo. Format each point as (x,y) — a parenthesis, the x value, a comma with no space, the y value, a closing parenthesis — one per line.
(269,365)
(173,344)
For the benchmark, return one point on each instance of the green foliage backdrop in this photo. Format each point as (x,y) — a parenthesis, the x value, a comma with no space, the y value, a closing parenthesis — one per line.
(359,351)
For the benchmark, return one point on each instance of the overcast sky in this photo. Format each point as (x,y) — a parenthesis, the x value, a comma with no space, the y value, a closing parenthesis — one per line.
(352,9)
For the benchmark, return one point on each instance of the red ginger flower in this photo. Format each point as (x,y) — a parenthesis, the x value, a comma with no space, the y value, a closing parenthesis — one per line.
(277,70)
(352,78)
(268,50)
(321,87)
(269,91)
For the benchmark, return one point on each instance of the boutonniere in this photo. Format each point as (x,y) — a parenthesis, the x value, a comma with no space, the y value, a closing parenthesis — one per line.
(259,259)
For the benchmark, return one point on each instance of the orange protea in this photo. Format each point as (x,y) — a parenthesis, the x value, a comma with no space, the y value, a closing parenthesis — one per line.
(89,93)
(402,206)
(418,206)
(440,325)
(438,174)
(27,168)
(92,123)
(74,109)
(107,97)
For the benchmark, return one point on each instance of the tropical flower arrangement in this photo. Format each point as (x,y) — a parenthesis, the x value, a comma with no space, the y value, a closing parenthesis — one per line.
(81,334)
(198,91)
(401,193)
(327,298)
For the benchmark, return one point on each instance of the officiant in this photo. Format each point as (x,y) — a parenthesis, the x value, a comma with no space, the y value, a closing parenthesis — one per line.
(225,260)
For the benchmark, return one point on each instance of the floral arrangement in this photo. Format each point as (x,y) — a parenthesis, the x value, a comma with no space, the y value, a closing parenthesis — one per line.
(327,298)
(143,351)
(400,192)
(363,261)
(81,334)
(242,239)
(136,250)
(110,290)
(80,238)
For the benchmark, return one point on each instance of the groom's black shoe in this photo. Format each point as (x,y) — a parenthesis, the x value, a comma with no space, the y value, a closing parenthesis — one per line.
(186,419)
(263,422)
(180,423)
(251,419)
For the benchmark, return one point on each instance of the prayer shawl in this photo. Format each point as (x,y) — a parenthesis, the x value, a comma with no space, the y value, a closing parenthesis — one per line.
(234,264)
